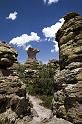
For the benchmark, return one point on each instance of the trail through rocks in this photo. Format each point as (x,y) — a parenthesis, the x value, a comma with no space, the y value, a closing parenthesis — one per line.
(43,114)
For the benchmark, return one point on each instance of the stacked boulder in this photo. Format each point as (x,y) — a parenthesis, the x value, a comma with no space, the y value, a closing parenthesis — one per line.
(32,61)
(14,104)
(67,101)
(32,64)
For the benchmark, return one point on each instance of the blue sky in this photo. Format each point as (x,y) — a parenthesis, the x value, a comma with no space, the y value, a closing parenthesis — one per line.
(25,23)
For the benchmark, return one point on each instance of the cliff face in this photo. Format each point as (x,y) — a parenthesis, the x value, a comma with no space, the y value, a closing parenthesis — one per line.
(14,103)
(67,102)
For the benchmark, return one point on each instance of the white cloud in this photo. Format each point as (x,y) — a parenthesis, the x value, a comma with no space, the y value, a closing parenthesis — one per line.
(24,38)
(50,32)
(50,1)
(12,16)
(45,1)
(55,47)
(27,47)
(52,50)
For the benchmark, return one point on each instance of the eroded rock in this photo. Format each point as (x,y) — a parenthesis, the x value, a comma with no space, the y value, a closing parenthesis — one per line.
(14,104)
(8,55)
(69,78)
(32,54)
(32,61)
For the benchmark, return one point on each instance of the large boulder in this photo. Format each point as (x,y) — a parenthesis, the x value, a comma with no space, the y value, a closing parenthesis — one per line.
(69,78)
(8,55)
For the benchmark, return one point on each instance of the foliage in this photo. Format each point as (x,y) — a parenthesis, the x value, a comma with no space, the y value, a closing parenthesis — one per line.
(41,85)
(46,101)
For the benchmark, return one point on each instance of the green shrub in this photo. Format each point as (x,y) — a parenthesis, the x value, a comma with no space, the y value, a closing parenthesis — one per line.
(46,101)
(42,85)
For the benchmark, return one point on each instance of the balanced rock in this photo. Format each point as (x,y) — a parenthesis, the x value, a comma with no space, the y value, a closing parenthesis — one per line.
(32,63)
(67,102)
(32,54)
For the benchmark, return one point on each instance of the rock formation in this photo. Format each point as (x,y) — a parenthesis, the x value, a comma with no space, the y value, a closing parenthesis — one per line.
(31,64)
(7,55)
(14,103)
(32,55)
(54,64)
(67,102)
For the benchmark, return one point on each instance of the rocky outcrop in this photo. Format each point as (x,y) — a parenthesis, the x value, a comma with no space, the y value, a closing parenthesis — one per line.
(7,55)
(67,102)
(14,104)
(53,64)
(30,73)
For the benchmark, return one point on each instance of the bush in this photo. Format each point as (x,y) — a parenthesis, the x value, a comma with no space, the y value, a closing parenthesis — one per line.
(46,101)
(42,85)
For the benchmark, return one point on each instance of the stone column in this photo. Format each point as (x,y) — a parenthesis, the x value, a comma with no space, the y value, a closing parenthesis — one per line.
(32,62)
(69,79)
(32,54)
(69,38)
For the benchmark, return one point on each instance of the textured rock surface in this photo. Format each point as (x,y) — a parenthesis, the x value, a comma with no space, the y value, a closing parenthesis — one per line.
(30,73)
(7,55)
(14,103)
(54,64)
(67,102)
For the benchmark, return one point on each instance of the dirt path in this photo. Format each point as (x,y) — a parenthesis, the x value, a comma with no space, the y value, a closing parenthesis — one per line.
(44,114)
